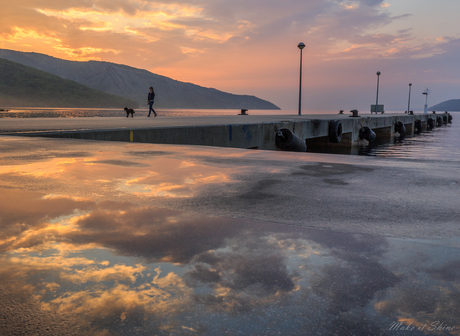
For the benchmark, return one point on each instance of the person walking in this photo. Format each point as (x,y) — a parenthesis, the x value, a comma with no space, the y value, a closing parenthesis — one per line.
(150,99)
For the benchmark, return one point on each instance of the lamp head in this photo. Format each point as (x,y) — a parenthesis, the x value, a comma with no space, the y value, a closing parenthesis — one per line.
(301,45)
(378,73)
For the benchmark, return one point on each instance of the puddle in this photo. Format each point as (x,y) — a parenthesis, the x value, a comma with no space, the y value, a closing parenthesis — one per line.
(123,269)
(158,175)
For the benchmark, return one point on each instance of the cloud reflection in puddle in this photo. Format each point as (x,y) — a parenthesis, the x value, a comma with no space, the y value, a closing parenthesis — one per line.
(176,178)
(122,268)
(147,176)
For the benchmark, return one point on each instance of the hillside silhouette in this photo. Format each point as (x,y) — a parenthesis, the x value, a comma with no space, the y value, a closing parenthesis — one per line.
(25,86)
(133,83)
(448,105)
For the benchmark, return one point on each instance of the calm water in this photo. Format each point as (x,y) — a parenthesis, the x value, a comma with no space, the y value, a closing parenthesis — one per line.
(441,144)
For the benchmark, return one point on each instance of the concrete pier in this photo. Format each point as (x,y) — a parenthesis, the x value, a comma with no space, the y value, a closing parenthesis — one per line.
(250,131)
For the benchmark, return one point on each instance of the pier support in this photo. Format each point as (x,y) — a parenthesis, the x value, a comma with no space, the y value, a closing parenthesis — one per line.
(259,135)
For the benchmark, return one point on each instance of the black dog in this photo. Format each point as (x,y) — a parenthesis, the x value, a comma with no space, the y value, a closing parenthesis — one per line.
(128,111)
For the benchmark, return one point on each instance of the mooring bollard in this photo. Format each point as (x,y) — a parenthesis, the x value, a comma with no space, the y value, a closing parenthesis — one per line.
(355,113)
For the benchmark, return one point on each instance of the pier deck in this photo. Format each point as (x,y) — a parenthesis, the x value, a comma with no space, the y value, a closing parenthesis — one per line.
(249,131)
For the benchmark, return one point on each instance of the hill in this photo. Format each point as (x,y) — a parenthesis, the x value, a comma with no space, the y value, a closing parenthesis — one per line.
(448,105)
(133,83)
(24,86)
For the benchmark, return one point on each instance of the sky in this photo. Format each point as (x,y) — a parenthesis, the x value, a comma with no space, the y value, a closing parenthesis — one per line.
(250,46)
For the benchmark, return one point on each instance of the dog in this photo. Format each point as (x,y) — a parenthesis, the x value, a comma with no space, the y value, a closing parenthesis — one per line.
(128,111)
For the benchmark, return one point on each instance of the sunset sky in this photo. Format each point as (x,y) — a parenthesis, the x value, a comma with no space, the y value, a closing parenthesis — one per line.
(250,46)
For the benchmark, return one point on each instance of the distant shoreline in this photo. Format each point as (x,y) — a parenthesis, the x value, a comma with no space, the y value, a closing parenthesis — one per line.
(66,112)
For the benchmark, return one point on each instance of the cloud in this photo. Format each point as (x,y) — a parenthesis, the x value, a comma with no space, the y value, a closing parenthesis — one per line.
(113,273)
(195,24)
(447,272)
(106,294)
(160,176)
(25,213)
(237,46)
(414,304)
(121,266)
(365,279)
(177,178)
(253,272)
(155,234)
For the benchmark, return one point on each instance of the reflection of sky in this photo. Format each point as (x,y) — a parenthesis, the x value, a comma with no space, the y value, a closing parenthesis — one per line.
(122,268)
(162,176)
(168,179)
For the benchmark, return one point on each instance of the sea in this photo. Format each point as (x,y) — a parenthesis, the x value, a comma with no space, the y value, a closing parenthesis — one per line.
(443,143)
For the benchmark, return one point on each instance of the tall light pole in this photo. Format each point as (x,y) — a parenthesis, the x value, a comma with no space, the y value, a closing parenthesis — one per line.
(377,98)
(301,45)
(408,103)
(426,93)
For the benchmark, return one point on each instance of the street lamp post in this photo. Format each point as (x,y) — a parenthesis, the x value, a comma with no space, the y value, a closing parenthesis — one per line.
(301,45)
(377,98)
(426,93)
(408,103)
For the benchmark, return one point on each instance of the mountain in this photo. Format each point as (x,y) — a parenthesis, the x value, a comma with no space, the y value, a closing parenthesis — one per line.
(448,105)
(21,85)
(133,83)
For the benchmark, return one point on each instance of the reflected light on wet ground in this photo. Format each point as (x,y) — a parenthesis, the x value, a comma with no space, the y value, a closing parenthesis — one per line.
(123,269)
(164,176)
(90,246)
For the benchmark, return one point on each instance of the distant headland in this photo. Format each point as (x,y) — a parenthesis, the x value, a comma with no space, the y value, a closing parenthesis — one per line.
(24,86)
(448,105)
(132,84)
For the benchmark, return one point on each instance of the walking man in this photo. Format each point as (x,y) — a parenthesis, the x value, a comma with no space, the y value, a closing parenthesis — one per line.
(150,100)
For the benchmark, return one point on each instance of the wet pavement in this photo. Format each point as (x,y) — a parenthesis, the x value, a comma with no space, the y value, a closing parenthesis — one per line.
(111,238)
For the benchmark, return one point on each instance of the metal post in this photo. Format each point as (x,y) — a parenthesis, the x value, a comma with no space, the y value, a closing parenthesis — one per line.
(425,108)
(377,98)
(408,103)
(301,45)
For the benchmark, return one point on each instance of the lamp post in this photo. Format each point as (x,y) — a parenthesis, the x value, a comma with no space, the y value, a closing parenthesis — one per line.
(408,103)
(425,108)
(301,45)
(377,98)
